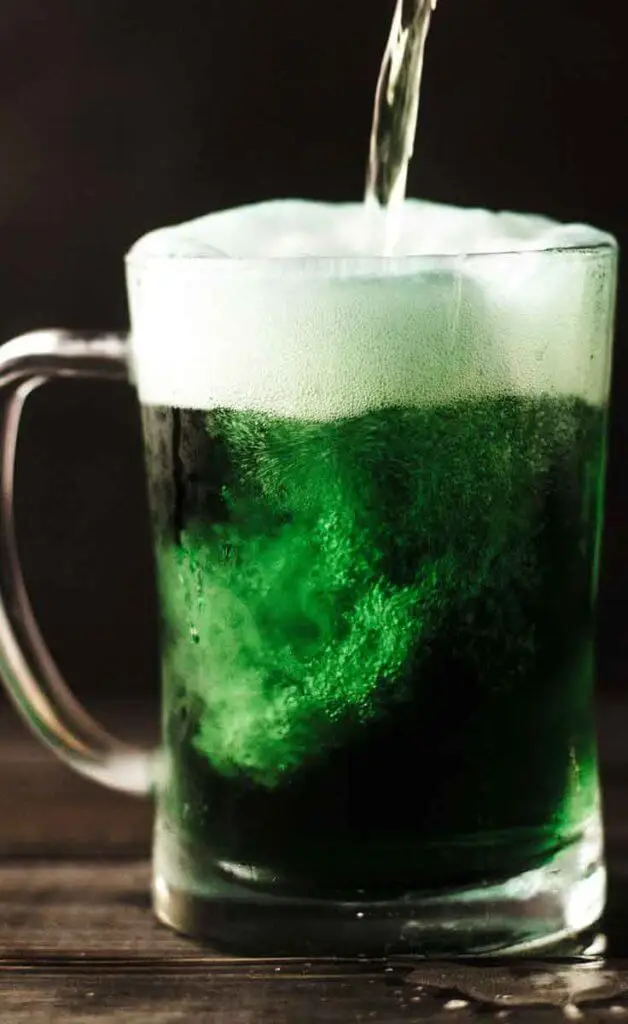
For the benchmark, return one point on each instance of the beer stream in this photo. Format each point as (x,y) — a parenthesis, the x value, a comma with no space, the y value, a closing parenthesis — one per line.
(396,111)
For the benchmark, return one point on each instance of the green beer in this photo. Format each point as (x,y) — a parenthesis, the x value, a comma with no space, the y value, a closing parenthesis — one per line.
(377,639)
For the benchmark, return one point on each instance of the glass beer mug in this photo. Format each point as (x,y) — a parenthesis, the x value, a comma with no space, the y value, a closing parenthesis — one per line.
(376,487)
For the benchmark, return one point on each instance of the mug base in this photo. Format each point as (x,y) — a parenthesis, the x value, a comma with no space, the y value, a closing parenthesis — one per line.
(547,909)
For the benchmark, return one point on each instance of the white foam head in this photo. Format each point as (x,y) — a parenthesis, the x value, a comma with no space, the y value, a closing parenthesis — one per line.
(286,307)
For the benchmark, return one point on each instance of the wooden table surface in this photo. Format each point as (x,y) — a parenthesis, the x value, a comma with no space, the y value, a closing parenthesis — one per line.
(78,942)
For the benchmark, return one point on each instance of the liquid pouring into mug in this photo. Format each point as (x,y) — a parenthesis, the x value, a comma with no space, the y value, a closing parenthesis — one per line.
(396,111)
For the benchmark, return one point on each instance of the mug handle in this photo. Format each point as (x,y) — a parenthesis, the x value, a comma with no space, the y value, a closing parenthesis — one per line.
(28,670)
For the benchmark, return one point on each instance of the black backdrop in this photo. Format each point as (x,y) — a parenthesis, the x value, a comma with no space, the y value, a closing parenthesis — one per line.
(120,115)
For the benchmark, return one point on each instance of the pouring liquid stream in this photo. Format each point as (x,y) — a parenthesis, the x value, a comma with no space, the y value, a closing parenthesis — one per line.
(395,115)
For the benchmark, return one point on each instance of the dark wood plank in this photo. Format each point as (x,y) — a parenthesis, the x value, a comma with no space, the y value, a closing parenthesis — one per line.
(78,940)
(320,994)
(247,998)
(79,909)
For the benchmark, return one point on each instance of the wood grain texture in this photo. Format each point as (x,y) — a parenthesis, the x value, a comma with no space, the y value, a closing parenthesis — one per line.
(74,908)
(79,943)
(208,996)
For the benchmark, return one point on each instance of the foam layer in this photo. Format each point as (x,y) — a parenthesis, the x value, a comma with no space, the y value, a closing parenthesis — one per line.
(235,309)
(298,228)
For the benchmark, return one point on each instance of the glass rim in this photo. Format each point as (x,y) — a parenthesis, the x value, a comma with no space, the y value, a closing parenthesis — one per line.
(355,265)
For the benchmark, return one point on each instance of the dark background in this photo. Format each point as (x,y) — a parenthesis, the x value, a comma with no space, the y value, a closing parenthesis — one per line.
(117,116)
